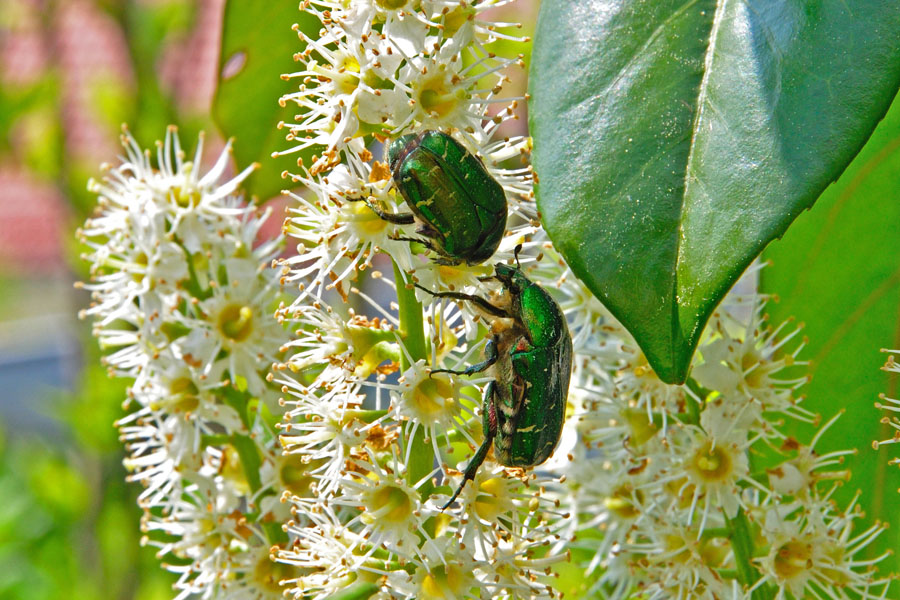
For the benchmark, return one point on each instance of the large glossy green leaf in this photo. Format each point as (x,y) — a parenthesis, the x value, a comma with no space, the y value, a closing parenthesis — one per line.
(258,46)
(838,270)
(673,140)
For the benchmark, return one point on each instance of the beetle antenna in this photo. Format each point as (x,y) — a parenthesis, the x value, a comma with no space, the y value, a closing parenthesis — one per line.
(516,255)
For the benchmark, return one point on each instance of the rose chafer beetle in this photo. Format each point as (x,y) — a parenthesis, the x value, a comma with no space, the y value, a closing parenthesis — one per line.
(531,353)
(460,208)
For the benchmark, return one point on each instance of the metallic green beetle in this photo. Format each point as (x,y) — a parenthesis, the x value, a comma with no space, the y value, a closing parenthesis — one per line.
(460,207)
(524,406)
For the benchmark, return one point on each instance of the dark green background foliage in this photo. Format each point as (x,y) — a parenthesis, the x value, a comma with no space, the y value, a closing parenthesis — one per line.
(695,133)
(838,271)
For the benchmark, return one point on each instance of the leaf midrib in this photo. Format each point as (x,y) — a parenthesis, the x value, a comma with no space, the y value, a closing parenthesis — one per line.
(702,93)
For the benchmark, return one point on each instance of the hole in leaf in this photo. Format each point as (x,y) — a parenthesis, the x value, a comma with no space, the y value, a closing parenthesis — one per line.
(234,65)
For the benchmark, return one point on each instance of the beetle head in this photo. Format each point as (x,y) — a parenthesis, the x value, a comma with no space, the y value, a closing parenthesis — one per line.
(400,148)
(512,278)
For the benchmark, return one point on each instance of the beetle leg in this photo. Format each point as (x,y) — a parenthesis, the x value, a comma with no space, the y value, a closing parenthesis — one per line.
(441,260)
(426,243)
(477,300)
(395,218)
(446,260)
(490,357)
(489,426)
(427,230)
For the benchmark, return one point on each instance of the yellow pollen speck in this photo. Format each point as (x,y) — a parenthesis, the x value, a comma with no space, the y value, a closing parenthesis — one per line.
(492,499)
(792,559)
(713,464)
(396,499)
(391,4)
(621,502)
(438,98)
(366,220)
(431,397)
(444,582)
(268,574)
(236,322)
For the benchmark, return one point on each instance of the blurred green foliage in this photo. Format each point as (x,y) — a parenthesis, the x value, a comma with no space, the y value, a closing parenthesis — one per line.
(69,523)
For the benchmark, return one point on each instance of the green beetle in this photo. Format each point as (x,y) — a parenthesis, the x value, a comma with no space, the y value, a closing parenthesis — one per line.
(460,207)
(524,406)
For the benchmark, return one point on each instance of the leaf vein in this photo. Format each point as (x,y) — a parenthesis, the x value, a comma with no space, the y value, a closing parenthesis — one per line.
(644,49)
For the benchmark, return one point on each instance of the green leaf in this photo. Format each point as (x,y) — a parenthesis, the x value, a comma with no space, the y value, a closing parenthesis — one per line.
(838,271)
(258,46)
(673,140)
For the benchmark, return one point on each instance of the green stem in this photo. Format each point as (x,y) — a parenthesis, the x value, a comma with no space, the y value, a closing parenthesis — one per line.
(192,285)
(742,545)
(693,407)
(412,334)
(250,460)
(358,590)
(727,573)
(366,416)
(716,532)
(412,329)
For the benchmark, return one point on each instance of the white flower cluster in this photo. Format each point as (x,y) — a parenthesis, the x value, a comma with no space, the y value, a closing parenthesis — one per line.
(660,483)
(651,491)
(366,414)
(182,300)
(341,484)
